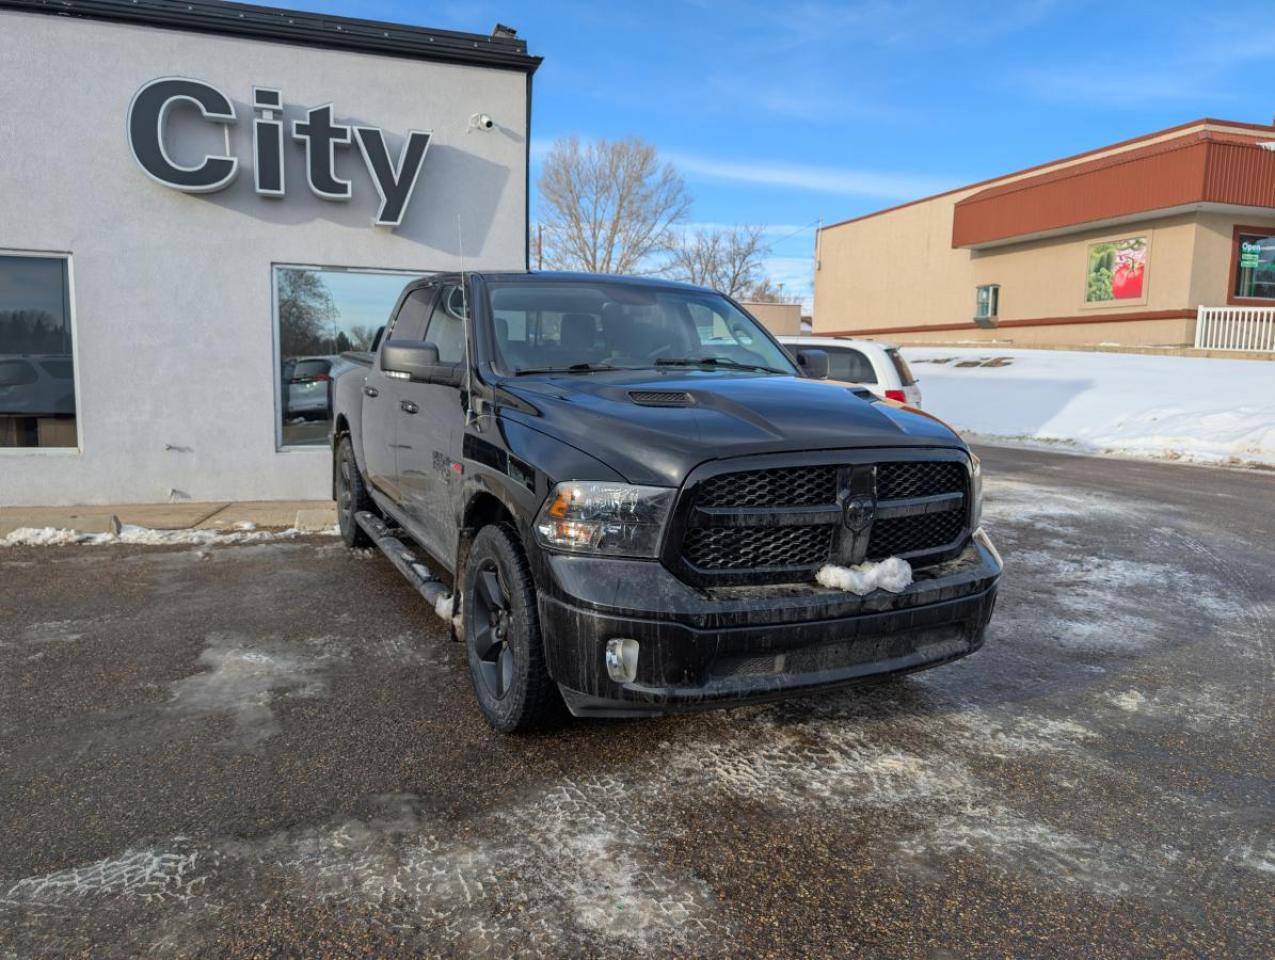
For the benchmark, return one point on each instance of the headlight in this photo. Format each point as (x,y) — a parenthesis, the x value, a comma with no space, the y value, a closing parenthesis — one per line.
(976,488)
(616,519)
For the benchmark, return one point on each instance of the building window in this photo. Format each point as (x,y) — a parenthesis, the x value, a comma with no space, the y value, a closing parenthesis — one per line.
(322,313)
(37,369)
(1255,267)
(987,302)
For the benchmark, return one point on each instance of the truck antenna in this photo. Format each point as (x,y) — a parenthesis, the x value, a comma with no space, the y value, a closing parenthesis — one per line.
(470,414)
(460,247)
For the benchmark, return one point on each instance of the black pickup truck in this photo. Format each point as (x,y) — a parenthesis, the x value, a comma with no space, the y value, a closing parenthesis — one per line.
(630,488)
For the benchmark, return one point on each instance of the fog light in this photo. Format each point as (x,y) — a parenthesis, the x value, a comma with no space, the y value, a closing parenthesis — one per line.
(621,658)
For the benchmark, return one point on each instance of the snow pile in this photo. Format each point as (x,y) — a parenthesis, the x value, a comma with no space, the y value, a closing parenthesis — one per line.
(129,533)
(443,606)
(1184,408)
(892,575)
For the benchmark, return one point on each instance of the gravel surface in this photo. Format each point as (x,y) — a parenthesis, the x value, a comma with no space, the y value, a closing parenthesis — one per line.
(270,749)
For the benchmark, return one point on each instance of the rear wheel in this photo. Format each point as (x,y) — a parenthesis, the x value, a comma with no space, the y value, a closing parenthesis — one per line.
(502,635)
(351,495)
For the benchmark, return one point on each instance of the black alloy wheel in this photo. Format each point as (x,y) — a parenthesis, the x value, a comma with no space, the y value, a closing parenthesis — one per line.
(501,625)
(493,620)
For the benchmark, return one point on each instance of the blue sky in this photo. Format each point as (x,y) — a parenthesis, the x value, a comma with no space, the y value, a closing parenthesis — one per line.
(784,113)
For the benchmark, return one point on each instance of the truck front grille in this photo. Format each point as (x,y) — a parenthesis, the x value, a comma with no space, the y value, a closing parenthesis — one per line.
(745,548)
(898,536)
(794,486)
(918,478)
(781,524)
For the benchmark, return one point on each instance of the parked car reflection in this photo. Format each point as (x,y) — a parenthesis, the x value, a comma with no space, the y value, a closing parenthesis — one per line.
(307,397)
(37,400)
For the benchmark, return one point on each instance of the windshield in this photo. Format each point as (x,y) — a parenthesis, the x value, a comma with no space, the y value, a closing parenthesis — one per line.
(586,325)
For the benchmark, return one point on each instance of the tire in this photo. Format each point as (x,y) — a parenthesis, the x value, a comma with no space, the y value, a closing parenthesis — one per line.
(502,636)
(351,495)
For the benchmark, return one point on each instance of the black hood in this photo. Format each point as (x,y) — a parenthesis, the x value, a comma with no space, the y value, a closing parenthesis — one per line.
(728,414)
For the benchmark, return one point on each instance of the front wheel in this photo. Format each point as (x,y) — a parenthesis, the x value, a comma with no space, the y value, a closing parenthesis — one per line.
(502,635)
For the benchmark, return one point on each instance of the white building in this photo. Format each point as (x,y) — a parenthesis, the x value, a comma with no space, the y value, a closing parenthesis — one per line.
(203,205)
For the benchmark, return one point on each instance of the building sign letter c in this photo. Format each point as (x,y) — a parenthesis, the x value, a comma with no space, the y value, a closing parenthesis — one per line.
(147,115)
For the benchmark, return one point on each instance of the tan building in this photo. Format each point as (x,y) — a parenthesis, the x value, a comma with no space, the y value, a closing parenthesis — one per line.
(781,319)
(1120,245)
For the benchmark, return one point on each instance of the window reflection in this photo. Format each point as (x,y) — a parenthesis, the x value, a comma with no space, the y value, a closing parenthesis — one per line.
(37,372)
(323,316)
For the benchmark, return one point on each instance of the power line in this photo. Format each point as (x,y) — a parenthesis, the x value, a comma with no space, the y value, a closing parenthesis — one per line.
(801,229)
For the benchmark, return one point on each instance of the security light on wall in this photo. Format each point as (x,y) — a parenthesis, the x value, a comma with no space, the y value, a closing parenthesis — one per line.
(481,121)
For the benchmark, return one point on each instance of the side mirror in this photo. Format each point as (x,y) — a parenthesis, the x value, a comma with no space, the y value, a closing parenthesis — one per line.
(419,361)
(377,338)
(813,364)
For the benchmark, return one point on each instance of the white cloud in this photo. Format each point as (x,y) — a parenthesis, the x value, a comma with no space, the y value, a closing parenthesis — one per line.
(836,180)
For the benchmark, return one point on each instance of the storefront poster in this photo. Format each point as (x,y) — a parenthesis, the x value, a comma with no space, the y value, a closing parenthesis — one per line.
(1117,270)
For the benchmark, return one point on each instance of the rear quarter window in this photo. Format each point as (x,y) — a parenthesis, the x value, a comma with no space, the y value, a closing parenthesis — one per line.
(901,367)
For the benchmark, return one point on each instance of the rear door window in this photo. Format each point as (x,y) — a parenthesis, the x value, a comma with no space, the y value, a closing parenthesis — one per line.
(409,324)
(446,328)
(849,365)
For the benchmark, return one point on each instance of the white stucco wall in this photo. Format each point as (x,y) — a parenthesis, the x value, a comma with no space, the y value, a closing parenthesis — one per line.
(174,333)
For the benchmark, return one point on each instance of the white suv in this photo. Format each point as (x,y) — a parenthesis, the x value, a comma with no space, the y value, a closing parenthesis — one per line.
(878,366)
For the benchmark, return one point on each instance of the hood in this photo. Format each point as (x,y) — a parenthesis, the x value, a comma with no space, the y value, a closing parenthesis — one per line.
(727,414)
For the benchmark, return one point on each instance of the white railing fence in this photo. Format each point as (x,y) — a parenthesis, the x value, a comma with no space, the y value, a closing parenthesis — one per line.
(1235,328)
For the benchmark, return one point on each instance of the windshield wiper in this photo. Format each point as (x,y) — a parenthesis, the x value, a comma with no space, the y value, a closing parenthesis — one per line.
(572,368)
(715,362)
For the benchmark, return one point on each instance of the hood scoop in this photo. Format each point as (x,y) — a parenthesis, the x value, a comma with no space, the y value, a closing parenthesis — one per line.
(661,398)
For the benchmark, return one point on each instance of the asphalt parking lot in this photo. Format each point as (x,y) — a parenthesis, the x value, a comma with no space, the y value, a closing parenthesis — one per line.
(271,750)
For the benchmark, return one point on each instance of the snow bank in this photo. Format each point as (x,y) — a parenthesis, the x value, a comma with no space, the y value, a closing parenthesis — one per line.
(1189,408)
(892,575)
(52,536)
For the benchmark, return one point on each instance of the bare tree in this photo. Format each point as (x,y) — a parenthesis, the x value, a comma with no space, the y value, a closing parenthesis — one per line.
(764,291)
(307,314)
(728,259)
(609,206)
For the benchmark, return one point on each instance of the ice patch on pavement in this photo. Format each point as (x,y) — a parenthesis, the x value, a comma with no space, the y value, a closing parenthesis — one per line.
(1255,857)
(1130,701)
(147,536)
(1204,707)
(571,865)
(1110,604)
(243,682)
(1016,502)
(1012,841)
(171,875)
(892,575)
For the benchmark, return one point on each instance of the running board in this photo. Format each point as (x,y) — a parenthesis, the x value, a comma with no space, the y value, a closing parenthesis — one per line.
(400,554)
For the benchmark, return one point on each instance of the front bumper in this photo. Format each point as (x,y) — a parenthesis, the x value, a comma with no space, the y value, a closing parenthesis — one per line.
(712,647)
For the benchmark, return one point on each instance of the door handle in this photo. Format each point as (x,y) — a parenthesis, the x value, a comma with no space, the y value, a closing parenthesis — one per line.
(407,406)
(371,392)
